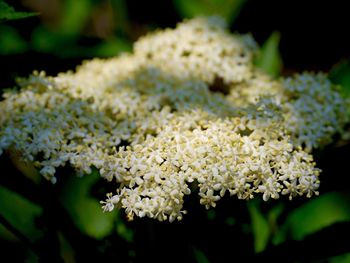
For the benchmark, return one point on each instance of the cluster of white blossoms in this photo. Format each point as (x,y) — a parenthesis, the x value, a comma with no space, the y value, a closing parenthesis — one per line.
(186,108)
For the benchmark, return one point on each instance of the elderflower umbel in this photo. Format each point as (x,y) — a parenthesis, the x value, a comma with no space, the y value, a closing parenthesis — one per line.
(187,106)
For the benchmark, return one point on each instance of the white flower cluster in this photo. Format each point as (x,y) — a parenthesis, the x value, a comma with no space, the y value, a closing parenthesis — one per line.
(312,107)
(187,107)
(184,51)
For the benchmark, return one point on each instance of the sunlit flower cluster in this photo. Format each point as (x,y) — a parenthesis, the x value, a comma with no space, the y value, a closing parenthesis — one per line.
(186,108)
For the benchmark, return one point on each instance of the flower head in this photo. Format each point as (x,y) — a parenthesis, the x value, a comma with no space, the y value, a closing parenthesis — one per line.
(186,107)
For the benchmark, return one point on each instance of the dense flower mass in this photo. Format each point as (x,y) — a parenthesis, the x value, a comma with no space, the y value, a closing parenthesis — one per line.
(187,106)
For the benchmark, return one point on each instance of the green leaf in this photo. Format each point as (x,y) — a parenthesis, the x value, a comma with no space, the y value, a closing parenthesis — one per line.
(124,231)
(269,59)
(274,214)
(75,16)
(86,211)
(112,47)
(66,250)
(7,234)
(27,168)
(120,15)
(31,258)
(8,12)
(20,212)
(211,215)
(47,41)
(200,256)
(316,214)
(63,39)
(228,9)
(260,226)
(65,46)
(11,42)
(344,258)
(230,221)
(340,74)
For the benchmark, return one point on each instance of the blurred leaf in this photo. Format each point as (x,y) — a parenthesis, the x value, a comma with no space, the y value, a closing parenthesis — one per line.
(31,258)
(330,241)
(200,256)
(27,168)
(105,49)
(8,12)
(228,9)
(315,215)
(260,226)
(112,47)
(7,234)
(345,258)
(269,59)
(65,46)
(75,16)
(211,214)
(11,42)
(340,74)
(20,212)
(120,15)
(63,39)
(230,221)
(47,41)
(86,211)
(124,231)
(66,250)
(132,254)
(274,213)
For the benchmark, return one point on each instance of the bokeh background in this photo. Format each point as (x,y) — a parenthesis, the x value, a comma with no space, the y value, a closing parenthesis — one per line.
(64,223)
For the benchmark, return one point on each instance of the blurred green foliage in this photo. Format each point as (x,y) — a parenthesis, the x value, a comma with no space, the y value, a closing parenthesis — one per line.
(260,227)
(200,256)
(264,224)
(11,42)
(66,250)
(345,258)
(269,59)
(64,38)
(8,13)
(340,74)
(21,212)
(75,15)
(314,215)
(228,9)
(85,210)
